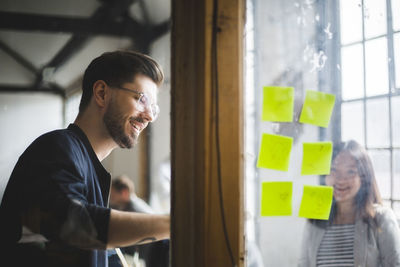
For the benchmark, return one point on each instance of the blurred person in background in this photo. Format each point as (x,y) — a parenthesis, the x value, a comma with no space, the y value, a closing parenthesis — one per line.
(123,197)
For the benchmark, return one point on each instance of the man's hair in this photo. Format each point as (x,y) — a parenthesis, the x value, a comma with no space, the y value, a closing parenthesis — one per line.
(116,68)
(123,182)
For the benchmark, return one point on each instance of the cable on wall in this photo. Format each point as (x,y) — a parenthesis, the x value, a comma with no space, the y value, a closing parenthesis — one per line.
(214,62)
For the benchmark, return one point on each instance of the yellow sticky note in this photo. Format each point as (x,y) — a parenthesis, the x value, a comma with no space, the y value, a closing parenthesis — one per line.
(275,152)
(278,104)
(276,199)
(316,158)
(316,202)
(317,108)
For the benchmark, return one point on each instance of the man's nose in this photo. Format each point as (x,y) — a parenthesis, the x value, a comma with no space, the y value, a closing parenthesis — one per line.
(148,114)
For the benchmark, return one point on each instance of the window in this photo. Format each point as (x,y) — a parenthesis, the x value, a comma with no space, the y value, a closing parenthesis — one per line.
(370,86)
(349,48)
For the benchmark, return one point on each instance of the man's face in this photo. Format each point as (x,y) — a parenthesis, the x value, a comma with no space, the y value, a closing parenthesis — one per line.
(119,199)
(125,116)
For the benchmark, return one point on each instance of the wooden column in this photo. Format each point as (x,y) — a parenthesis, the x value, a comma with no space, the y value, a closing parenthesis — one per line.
(197,226)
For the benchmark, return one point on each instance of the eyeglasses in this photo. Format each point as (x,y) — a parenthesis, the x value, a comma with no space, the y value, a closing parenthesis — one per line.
(143,101)
(347,174)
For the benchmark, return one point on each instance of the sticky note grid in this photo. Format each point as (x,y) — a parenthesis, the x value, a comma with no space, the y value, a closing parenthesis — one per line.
(274,153)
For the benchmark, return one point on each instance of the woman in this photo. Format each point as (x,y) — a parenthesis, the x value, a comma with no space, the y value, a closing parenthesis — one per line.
(360,231)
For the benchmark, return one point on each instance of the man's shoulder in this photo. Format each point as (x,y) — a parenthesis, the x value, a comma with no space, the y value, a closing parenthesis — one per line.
(56,141)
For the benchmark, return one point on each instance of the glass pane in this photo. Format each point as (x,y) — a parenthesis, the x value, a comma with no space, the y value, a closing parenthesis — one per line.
(381,162)
(376,64)
(352,72)
(352,121)
(350,21)
(396,174)
(374,18)
(386,203)
(397,57)
(396,209)
(377,123)
(396,14)
(396,121)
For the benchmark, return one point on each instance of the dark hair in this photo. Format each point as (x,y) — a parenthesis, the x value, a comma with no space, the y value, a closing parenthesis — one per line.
(368,194)
(123,182)
(116,68)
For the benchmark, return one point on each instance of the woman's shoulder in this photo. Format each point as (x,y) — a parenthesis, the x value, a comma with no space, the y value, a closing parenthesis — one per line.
(384,214)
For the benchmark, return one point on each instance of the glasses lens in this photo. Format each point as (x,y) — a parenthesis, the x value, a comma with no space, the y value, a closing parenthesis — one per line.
(155,110)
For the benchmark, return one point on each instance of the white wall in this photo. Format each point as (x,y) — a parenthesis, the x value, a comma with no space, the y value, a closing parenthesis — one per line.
(23,117)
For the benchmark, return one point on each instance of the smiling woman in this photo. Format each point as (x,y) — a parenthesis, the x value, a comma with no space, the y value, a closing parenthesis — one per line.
(357,217)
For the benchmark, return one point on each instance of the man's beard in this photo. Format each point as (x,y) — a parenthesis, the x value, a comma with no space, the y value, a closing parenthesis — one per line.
(115,125)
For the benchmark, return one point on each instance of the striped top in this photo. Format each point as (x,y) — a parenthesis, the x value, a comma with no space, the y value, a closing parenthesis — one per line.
(337,247)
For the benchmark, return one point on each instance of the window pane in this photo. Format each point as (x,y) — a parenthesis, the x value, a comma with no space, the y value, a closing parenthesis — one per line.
(396,209)
(386,203)
(374,18)
(381,162)
(396,121)
(352,121)
(352,72)
(376,67)
(377,123)
(397,57)
(350,21)
(396,14)
(396,173)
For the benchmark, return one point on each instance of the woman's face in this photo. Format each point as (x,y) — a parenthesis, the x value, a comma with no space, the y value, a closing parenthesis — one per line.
(344,178)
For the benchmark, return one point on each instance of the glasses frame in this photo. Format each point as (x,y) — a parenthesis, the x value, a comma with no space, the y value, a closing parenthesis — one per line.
(154,108)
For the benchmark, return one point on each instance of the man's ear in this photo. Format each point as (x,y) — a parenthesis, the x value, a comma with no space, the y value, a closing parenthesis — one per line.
(100,93)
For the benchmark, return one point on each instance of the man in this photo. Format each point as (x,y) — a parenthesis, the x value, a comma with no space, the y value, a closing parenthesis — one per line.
(54,209)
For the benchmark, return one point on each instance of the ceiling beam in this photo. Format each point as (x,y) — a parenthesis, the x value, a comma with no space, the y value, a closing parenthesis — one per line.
(58,24)
(111,18)
(26,89)
(122,26)
(18,57)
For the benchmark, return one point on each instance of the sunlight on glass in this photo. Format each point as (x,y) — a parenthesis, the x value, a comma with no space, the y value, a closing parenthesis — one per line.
(376,65)
(250,109)
(350,21)
(397,57)
(381,163)
(352,72)
(396,172)
(396,14)
(378,123)
(352,121)
(396,121)
(396,209)
(374,18)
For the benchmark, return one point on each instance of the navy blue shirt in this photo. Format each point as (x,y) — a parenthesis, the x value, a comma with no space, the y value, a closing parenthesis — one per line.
(54,209)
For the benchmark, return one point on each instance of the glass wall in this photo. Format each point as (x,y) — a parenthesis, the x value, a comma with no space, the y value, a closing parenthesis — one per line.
(317,73)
